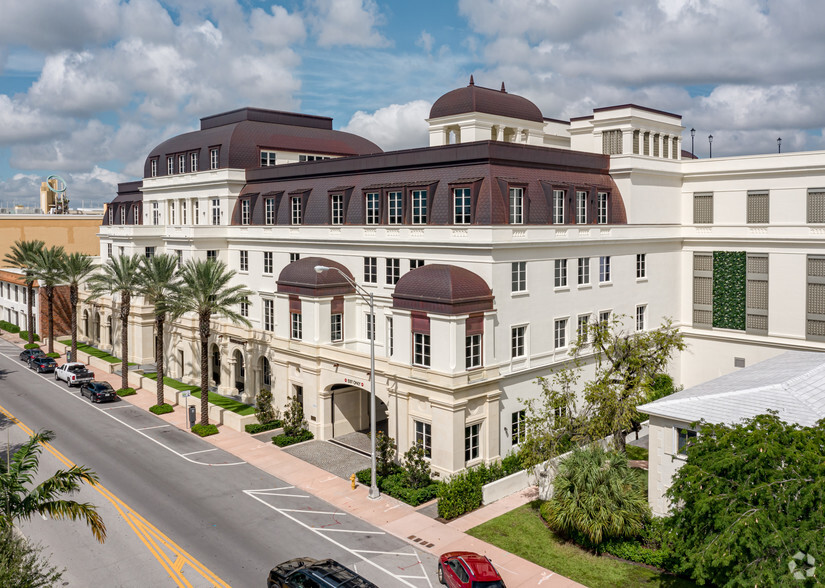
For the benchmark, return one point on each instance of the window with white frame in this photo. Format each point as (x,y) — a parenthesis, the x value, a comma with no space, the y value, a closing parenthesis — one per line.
(244,261)
(195,209)
(393,271)
(216,211)
(111,216)
(181,163)
(518,276)
(136,214)
(584,271)
(641,315)
(193,162)
(268,262)
(472,436)
(170,165)
(296,210)
(153,168)
(370,323)
(293,257)
(684,438)
(472,347)
(245,308)
(517,337)
(122,215)
(390,336)
(269,211)
(373,211)
(601,208)
(267,158)
(155,213)
(297,331)
(371,270)
(245,212)
(516,206)
(421,349)
(149,251)
(461,206)
(269,314)
(109,250)
(517,423)
(336,323)
(394,211)
(604,317)
(560,273)
(213,158)
(179,254)
(582,328)
(641,266)
(581,208)
(423,437)
(337,209)
(183,212)
(560,334)
(172,212)
(558,207)
(416,263)
(211,255)
(604,269)
(419,207)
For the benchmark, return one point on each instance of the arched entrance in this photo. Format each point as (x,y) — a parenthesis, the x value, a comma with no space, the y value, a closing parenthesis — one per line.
(266,374)
(240,371)
(351,411)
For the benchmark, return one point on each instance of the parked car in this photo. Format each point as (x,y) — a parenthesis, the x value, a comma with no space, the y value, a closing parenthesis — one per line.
(42,364)
(465,569)
(26,354)
(98,391)
(74,374)
(306,571)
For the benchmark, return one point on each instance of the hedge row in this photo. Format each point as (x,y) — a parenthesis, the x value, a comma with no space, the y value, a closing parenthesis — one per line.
(205,430)
(161,408)
(8,327)
(260,428)
(125,392)
(25,336)
(395,485)
(284,440)
(462,492)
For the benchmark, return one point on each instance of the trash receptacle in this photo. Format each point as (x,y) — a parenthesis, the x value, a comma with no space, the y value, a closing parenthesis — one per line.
(69,356)
(192,416)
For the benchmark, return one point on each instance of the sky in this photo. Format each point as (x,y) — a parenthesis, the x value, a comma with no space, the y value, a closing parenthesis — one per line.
(88,88)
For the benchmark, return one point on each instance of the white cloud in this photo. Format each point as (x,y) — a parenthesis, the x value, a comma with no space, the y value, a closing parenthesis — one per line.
(398,126)
(21,123)
(346,22)
(425,41)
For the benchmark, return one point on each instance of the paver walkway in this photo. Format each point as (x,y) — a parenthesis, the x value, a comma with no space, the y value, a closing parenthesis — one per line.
(387,513)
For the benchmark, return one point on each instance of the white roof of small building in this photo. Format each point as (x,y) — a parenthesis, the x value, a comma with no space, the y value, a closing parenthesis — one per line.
(793,384)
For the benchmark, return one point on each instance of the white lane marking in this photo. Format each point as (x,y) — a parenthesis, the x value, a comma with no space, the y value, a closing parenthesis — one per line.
(348,531)
(285,495)
(322,512)
(201,451)
(156,427)
(414,577)
(136,430)
(252,493)
(386,552)
(115,407)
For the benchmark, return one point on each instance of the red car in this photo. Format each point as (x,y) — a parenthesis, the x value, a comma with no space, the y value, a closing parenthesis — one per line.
(465,569)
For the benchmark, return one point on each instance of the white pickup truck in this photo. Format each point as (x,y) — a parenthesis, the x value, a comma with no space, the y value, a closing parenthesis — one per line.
(74,373)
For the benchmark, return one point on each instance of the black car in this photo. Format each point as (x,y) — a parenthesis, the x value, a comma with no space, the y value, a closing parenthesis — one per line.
(27,354)
(42,364)
(305,571)
(98,391)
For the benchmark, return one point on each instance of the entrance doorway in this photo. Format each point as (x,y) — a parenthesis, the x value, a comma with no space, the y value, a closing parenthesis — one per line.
(351,411)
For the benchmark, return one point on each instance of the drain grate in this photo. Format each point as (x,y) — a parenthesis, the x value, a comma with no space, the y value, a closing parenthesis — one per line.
(420,541)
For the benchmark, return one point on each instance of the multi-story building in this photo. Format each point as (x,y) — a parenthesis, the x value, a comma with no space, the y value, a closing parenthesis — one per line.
(14,307)
(487,253)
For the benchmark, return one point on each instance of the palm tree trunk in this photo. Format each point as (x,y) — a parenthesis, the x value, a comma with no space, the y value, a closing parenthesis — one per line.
(125,300)
(50,299)
(204,329)
(159,359)
(29,306)
(73,302)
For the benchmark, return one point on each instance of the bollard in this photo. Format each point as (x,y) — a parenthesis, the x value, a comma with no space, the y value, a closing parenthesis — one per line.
(352,479)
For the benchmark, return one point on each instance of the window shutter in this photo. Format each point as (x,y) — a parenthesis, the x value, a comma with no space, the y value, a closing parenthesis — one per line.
(420,323)
(474,325)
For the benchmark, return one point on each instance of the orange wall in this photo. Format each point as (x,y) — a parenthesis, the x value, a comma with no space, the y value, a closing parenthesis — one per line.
(74,232)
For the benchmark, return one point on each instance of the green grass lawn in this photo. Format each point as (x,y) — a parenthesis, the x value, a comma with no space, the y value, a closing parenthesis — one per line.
(94,351)
(523,532)
(216,399)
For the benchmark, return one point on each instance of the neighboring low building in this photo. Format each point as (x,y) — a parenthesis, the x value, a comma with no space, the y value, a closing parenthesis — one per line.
(792,384)
(14,308)
(75,232)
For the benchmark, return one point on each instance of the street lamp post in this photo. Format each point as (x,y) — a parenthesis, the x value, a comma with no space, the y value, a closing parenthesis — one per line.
(374,493)
(779,144)
(692,135)
(710,146)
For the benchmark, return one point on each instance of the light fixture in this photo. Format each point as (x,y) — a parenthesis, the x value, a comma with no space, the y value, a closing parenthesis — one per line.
(710,146)
(779,145)
(692,135)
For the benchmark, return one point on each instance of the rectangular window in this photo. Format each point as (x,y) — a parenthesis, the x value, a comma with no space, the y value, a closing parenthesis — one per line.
(472,346)
(170,165)
(122,215)
(296,210)
(179,253)
(419,207)
(558,207)
(560,273)
(518,432)
(641,266)
(183,212)
(337,209)
(181,164)
(267,158)
(582,324)
(516,206)
(604,317)
(756,294)
(703,290)
(416,263)
(149,251)
(370,326)
(245,212)
(518,272)
(560,334)
(461,206)
(269,210)
(136,214)
(195,208)
(423,437)
(297,326)
(471,442)
(703,208)
(155,213)
(245,308)
(393,271)
(390,336)
(109,250)
(268,262)
(373,214)
(421,351)
(293,257)
(394,201)
(517,341)
(816,206)
(172,212)
(211,255)
(641,315)
(216,211)
(601,208)
(213,158)
(336,327)
(244,261)
(758,208)
(269,315)
(684,437)
(581,208)
(584,271)
(153,165)
(193,162)
(604,269)
(371,270)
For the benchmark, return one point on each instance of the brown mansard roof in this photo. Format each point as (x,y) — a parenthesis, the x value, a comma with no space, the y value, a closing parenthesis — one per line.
(478,99)
(442,289)
(300,277)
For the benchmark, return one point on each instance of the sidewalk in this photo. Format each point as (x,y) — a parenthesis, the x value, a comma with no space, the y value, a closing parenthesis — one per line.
(389,514)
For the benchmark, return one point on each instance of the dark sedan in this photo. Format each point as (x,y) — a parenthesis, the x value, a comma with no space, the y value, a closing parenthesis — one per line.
(98,391)
(306,571)
(42,364)
(27,354)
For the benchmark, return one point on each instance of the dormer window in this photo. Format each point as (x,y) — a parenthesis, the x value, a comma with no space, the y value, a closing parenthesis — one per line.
(123,215)
(193,162)
(213,158)
(181,164)
(601,214)
(461,206)
(516,206)
(337,206)
(419,207)
(581,208)
(153,168)
(296,210)
(267,158)
(244,212)
(372,208)
(170,165)
(558,207)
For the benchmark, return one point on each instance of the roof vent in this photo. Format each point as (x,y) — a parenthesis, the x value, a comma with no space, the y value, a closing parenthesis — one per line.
(472,83)
(739,362)
(502,88)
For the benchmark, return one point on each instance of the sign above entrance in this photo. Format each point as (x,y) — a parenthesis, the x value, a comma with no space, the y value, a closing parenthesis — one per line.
(354,382)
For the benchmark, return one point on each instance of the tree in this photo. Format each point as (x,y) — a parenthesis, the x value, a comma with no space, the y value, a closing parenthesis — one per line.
(205,290)
(118,276)
(294,421)
(748,498)
(18,502)
(385,451)
(158,285)
(596,497)
(76,267)
(22,256)
(417,467)
(264,411)
(23,565)
(48,269)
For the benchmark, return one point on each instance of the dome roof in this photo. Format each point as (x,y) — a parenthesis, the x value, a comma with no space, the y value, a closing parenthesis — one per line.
(477,99)
(442,289)
(300,277)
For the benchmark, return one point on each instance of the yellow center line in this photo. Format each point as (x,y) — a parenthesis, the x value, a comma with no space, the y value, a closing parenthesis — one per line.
(146,532)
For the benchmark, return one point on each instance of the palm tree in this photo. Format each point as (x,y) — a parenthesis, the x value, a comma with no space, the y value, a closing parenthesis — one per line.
(22,256)
(118,276)
(206,291)
(76,267)
(48,269)
(18,502)
(158,285)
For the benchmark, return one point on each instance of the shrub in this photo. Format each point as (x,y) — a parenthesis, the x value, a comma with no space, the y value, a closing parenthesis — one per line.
(7,326)
(264,411)
(638,453)
(125,392)
(294,421)
(395,485)
(53,355)
(284,440)
(25,335)
(161,408)
(205,430)
(384,454)
(260,428)
(461,494)
(31,346)
(417,467)
(651,548)
(511,464)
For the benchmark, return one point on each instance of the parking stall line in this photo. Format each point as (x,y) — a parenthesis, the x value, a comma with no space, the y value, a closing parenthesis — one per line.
(156,427)
(201,451)
(325,530)
(321,512)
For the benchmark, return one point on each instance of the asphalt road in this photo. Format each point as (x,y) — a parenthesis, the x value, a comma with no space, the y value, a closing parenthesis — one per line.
(179,512)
